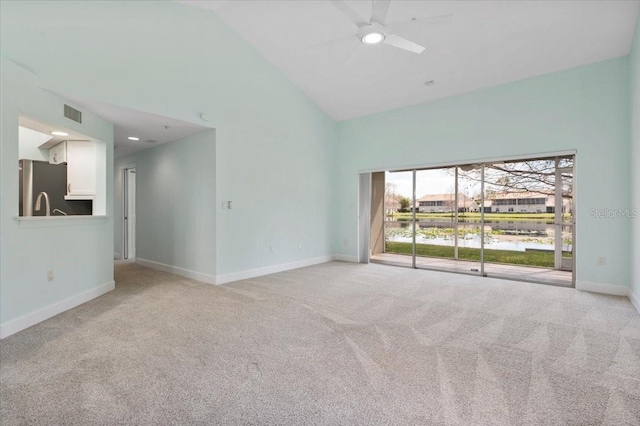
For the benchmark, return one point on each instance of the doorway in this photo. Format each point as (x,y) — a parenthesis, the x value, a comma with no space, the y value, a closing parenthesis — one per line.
(509,218)
(129,203)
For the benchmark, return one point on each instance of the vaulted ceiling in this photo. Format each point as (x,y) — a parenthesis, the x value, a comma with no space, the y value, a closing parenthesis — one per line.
(483,43)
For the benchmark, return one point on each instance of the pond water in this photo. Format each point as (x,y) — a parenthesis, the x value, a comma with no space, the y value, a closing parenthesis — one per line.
(501,235)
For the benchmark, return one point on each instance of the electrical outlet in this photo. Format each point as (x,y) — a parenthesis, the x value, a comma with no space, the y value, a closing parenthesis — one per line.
(50,275)
(345,242)
(601,260)
(270,249)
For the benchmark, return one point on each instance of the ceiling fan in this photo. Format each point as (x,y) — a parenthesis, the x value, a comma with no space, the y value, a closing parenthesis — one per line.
(377,31)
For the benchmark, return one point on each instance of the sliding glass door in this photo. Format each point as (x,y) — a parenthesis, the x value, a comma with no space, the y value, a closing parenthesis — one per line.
(531,226)
(399,224)
(511,219)
(446,238)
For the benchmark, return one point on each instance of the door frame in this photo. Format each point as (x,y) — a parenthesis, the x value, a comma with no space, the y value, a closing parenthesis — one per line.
(364,217)
(125,207)
(364,233)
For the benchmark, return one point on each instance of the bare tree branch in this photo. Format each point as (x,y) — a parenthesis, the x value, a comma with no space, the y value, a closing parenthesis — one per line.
(536,176)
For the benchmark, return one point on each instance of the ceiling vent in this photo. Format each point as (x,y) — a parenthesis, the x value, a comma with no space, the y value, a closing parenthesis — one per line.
(72,114)
(151,141)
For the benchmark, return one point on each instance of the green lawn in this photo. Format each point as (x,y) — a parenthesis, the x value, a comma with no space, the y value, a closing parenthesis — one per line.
(542,259)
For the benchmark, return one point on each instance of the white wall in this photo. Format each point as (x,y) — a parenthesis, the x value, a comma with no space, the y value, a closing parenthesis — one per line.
(274,147)
(175,204)
(30,140)
(583,109)
(635,164)
(78,250)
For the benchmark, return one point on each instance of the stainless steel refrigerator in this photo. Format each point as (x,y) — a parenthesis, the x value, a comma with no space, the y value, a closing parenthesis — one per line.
(40,176)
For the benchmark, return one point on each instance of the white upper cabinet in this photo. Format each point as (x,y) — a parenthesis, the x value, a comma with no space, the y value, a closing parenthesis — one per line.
(58,153)
(81,170)
(80,157)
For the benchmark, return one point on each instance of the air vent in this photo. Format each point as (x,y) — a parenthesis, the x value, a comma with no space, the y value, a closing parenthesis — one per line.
(72,114)
(151,141)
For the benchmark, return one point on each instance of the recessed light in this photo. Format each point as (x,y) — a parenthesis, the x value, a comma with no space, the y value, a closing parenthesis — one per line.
(133,138)
(57,133)
(373,37)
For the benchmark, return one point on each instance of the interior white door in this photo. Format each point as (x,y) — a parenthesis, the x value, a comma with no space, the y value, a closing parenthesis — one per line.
(364,217)
(131,213)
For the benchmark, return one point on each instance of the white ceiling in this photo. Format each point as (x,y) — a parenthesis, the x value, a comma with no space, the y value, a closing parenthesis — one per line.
(485,44)
(44,130)
(143,125)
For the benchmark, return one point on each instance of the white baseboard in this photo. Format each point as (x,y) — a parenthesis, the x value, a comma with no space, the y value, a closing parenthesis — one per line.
(613,289)
(13,326)
(635,300)
(187,273)
(258,272)
(243,275)
(346,258)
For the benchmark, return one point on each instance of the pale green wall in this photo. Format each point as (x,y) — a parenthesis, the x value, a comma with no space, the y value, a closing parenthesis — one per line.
(30,141)
(635,159)
(175,203)
(583,109)
(79,254)
(274,147)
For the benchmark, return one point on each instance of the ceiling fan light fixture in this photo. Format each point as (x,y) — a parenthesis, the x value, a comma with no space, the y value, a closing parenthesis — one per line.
(373,37)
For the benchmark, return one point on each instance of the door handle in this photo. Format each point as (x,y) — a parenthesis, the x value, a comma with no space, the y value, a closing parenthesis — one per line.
(68,188)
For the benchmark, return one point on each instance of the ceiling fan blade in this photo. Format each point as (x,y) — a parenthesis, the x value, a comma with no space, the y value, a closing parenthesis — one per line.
(403,43)
(380,10)
(334,41)
(355,53)
(424,22)
(213,5)
(349,13)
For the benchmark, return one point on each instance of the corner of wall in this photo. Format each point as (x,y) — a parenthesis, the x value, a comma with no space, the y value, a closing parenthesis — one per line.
(634,112)
(635,300)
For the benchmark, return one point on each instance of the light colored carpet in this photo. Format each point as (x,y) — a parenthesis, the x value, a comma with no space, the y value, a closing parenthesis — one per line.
(336,343)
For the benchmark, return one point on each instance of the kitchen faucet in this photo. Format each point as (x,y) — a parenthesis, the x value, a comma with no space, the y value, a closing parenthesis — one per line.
(46,202)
